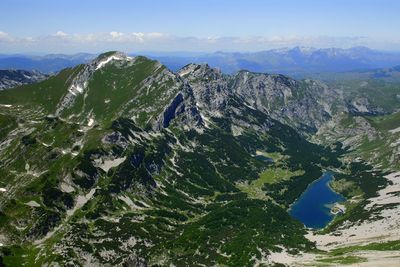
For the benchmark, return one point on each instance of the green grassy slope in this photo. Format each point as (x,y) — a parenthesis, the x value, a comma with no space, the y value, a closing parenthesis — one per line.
(82,194)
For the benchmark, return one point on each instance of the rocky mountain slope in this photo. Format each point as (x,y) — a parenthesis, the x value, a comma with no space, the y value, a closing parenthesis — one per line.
(14,78)
(374,139)
(305,105)
(122,162)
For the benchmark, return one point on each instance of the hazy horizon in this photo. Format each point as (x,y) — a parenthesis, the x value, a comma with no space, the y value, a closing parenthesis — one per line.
(182,53)
(73,26)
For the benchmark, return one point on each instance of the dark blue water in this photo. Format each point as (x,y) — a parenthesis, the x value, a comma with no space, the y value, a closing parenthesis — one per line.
(312,208)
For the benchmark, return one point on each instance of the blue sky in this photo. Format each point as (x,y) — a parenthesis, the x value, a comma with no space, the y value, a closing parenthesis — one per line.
(189,25)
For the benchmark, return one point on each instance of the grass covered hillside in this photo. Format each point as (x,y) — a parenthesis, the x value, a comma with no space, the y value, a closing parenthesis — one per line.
(123,162)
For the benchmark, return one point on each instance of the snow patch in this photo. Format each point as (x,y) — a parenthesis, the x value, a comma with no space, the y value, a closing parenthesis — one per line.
(32,204)
(128,201)
(397,130)
(66,188)
(107,60)
(249,106)
(184,72)
(76,89)
(91,122)
(206,120)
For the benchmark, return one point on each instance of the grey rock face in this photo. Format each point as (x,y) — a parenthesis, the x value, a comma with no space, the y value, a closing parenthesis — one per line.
(174,109)
(305,105)
(361,106)
(178,107)
(13,78)
(210,86)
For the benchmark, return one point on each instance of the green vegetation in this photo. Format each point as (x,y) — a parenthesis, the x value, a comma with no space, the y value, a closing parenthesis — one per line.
(275,175)
(371,138)
(362,181)
(268,176)
(381,94)
(275,156)
(7,124)
(179,196)
(387,122)
(384,246)
(343,260)
(45,94)
(344,255)
(119,89)
(203,241)
(173,220)
(348,187)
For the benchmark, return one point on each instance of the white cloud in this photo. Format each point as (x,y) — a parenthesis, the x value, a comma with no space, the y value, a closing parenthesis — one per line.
(5,37)
(116,35)
(60,34)
(155,41)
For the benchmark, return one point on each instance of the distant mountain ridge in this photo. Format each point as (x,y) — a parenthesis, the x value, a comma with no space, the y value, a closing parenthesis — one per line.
(14,78)
(47,64)
(298,61)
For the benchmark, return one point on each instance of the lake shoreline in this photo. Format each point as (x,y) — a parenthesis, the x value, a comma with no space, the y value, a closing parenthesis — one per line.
(318,204)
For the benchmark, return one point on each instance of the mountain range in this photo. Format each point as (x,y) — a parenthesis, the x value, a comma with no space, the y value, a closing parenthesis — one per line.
(122,161)
(298,62)
(47,64)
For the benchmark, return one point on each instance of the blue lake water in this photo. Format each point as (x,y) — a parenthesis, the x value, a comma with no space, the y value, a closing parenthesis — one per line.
(312,208)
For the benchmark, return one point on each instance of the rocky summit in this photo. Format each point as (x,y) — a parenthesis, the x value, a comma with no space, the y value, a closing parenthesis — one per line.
(122,162)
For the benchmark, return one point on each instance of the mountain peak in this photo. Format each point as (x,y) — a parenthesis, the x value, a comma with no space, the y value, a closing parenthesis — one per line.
(110,53)
(303,49)
(199,70)
(107,57)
